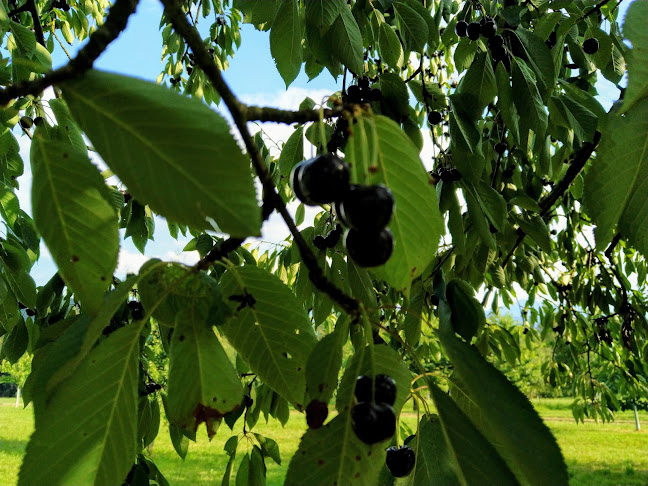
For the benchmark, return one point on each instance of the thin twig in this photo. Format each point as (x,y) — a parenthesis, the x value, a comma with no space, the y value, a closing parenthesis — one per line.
(38,28)
(546,203)
(104,35)
(238,110)
(62,46)
(218,253)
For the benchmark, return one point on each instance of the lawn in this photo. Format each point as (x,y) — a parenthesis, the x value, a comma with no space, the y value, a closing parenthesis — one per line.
(596,454)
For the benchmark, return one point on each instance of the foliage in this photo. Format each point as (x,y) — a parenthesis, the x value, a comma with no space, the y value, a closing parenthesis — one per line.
(527,165)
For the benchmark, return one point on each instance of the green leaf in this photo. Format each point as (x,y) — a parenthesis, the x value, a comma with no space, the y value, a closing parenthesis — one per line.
(25,39)
(412,27)
(230,448)
(76,342)
(9,312)
(371,362)
(324,362)
(143,132)
(97,443)
(140,225)
(285,41)
(620,174)
(14,344)
(292,152)
(40,61)
(416,223)
(493,205)
(73,214)
(257,11)
(478,219)
(203,384)
(332,456)
(395,98)
(269,448)
(634,29)
(433,460)
(477,462)
(68,130)
(463,131)
(270,329)
(507,418)
(538,57)
(345,459)
(434,96)
(468,315)
(464,54)
(571,115)
(9,205)
(171,289)
(455,217)
(390,48)
(527,100)
(478,87)
(21,284)
(345,41)
(320,14)
(534,226)
(414,316)
(361,285)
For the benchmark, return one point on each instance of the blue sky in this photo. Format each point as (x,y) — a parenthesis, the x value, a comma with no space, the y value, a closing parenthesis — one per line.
(251,74)
(254,79)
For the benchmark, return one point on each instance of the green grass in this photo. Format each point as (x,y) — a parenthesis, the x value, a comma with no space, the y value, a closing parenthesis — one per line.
(596,454)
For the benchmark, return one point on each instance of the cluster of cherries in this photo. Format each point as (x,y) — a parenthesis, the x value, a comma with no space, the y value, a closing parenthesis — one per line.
(61,4)
(487,28)
(373,420)
(365,210)
(355,94)
(361,92)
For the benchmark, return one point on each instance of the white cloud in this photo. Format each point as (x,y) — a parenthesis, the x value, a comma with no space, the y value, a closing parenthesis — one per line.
(186,257)
(129,262)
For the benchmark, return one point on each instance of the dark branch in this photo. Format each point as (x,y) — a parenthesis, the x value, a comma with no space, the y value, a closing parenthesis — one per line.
(205,61)
(546,203)
(596,8)
(19,10)
(38,29)
(104,35)
(218,253)
(578,163)
(262,114)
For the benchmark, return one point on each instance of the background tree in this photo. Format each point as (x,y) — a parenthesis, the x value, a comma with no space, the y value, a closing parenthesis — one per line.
(535,191)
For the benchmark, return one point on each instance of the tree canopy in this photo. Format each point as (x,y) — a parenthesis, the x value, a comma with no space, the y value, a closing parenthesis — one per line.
(535,196)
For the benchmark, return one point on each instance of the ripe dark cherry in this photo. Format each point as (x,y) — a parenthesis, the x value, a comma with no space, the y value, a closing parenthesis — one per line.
(591,46)
(26,122)
(385,389)
(316,413)
(495,42)
(489,29)
(373,422)
(354,94)
(322,179)
(500,147)
(369,248)
(400,460)
(366,207)
(320,242)
(461,28)
(434,118)
(474,29)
